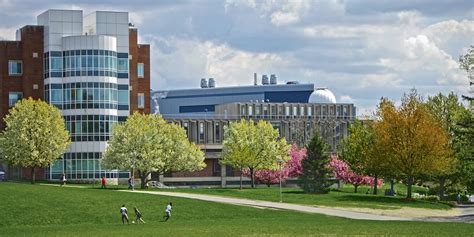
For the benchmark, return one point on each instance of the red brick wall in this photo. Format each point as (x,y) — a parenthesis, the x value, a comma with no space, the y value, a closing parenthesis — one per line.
(206,172)
(32,42)
(140,54)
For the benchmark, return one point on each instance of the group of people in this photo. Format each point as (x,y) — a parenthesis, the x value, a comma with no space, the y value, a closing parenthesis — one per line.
(138,214)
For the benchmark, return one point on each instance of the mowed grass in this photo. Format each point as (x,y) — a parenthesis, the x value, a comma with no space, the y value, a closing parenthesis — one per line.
(38,210)
(340,198)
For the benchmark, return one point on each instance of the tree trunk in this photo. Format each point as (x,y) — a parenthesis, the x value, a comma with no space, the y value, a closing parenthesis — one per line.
(241,174)
(252,178)
(442,182)
(409,184)
(33,178)
(355,188)
(375,184)
(392,191)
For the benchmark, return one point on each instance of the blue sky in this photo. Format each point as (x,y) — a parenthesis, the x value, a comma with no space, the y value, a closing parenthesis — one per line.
(360,49)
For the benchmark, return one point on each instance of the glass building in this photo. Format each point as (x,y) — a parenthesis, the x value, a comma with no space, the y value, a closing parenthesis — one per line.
(86,75)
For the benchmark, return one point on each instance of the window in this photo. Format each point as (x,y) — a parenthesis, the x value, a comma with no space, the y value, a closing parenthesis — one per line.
(201,132)
(13,97)
(122,65)
(140,70)
(310,111)
(15,67)
(141,100)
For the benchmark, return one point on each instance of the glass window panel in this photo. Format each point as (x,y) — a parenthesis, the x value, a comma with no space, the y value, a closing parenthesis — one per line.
(140,70)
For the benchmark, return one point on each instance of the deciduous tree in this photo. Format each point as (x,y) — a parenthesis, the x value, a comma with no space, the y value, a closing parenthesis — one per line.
(146,143)
(292,168)
(412,139)
(35,135)
(448,109)
(254,147)
(358,151)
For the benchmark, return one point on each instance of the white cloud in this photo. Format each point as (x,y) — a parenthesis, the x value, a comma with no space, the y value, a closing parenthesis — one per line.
(340,31)
(181,63)
(7,33)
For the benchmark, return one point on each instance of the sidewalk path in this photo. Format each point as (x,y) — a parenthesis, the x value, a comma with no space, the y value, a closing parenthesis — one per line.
(277,205)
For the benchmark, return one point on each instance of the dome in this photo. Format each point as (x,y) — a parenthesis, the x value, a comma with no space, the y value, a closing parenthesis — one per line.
(322,95)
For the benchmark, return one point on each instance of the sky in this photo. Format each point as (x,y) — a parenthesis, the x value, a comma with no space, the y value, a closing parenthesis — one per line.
(361,50)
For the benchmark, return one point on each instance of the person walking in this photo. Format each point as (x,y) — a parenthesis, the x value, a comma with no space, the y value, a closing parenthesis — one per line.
(168,211)
(138,216)
(103,182)
(130,183)
(124,213)
(63,179)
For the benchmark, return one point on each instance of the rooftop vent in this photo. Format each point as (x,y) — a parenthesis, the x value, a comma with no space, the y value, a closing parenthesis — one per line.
(211,83)
(203,83)
(265,80)
(273,79)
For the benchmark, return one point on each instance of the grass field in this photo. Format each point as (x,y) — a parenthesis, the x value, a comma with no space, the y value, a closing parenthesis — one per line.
(37,210)
(341,198)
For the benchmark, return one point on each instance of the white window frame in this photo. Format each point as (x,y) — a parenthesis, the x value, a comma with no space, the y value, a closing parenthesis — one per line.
(16,92)
(10,67)
(141,100)
(138,70)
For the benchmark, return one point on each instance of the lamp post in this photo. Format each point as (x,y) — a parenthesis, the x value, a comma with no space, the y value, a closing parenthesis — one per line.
(280,161)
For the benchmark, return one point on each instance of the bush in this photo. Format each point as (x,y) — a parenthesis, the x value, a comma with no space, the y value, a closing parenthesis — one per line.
(431,198)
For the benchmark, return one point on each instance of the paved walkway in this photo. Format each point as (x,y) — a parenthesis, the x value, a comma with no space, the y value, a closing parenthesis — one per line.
(277,205)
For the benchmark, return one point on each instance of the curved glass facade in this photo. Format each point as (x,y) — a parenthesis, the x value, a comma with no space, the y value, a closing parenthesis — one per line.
(75,63)
(83,95)
(84,128)
(96,90)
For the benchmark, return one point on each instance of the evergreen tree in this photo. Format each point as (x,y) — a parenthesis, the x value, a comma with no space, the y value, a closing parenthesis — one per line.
(316,171)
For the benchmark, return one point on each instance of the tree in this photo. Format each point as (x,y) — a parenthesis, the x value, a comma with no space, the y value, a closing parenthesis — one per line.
(35,135)
(464,148)
(446,109)
(254,147)
(359,153)
(343,172)
(316,171)
(292,168)
(146,143)
(466,63)
(411,139)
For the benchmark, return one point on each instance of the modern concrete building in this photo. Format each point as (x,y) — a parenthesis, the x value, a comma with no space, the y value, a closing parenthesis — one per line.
(91,67)
(296,110)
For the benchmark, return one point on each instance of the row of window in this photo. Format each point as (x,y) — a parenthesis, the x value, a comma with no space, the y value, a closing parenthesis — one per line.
(293,110)
(90,124)
(82,165)
(92,95)
(80,66)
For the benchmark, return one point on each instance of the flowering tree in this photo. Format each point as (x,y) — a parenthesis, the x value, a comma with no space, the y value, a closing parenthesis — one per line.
(343,172)
(292,168)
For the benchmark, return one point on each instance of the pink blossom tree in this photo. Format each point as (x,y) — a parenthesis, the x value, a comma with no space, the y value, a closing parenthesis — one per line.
(344,173)
(292,168)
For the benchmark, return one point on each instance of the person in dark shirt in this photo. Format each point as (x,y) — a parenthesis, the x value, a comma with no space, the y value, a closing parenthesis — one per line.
(138,216)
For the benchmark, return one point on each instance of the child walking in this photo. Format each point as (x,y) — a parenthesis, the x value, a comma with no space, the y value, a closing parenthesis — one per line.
(138,216)
(168,211)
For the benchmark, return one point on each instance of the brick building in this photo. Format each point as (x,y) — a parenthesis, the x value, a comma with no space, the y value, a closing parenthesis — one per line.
(92,68)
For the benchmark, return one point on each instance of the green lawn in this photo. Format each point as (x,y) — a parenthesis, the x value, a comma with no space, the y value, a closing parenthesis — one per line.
(340,198)
(37,210)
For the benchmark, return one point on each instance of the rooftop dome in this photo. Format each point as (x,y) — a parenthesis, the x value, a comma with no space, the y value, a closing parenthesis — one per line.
(322,95)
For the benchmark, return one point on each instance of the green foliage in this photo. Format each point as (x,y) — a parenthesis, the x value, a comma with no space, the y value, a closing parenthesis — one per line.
(458,123)
(253,146)
(146,143)
(316,172)
(412,140)
(35,135)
